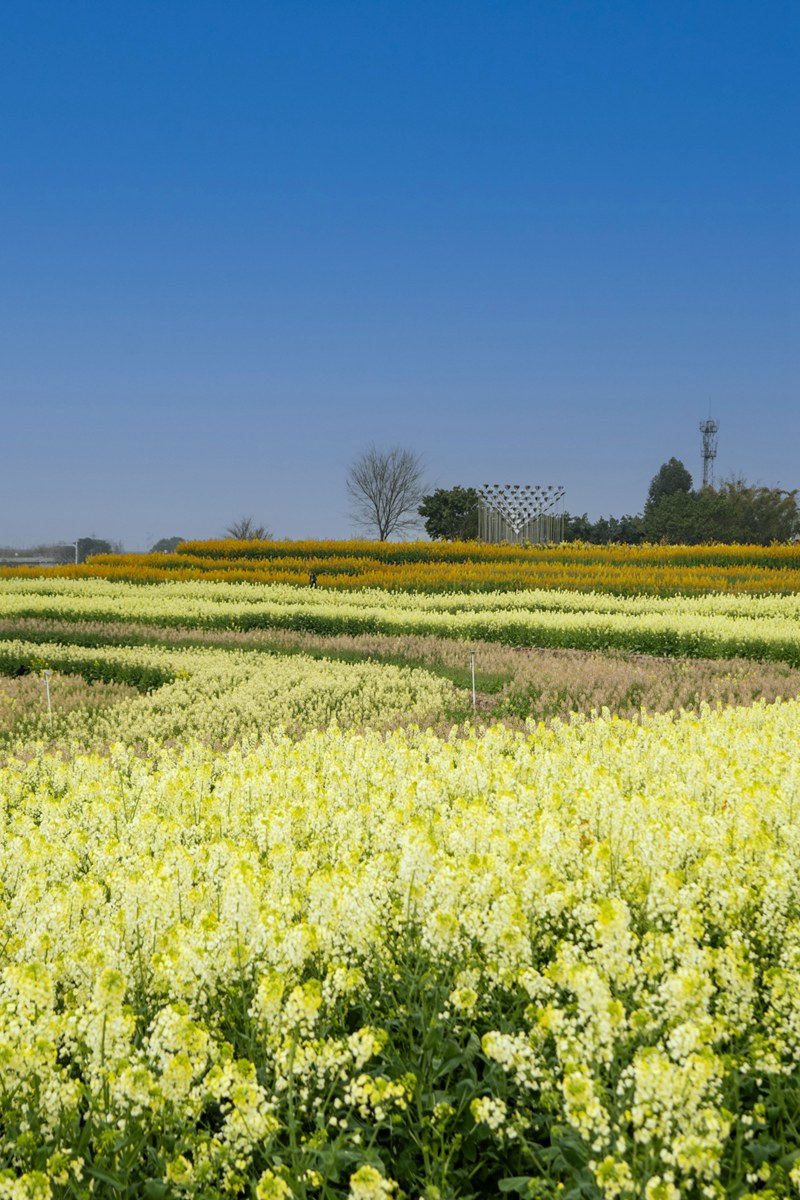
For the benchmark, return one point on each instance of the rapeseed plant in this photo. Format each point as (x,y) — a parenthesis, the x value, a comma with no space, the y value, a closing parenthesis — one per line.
(556,962)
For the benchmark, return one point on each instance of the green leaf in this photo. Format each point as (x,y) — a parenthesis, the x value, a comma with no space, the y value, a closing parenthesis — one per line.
(154,1189)
(96,1172)
(569,1146)
(516,1183)
(763,1150)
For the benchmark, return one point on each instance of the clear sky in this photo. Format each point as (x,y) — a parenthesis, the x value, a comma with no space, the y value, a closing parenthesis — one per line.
(532,241)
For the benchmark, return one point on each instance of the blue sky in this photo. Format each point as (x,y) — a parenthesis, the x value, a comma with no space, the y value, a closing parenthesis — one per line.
(530,241)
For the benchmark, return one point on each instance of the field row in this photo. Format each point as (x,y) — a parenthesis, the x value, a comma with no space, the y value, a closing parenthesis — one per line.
(439,567)
(709,627)
(357,963)
(512,685)
(779,556)
(217,697)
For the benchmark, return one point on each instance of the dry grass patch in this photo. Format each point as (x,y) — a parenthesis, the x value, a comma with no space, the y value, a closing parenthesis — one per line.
(23,699)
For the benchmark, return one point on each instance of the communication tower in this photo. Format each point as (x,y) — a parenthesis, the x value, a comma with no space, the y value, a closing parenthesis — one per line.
(709,431)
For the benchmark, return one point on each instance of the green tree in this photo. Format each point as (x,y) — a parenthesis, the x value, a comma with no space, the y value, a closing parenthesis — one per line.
(735,512)
(671,477)
(680,517)
(451,513)
(757,514)
(577,529)
(166,545)
(93,545)
(626,529)
(616,529)
(630,529)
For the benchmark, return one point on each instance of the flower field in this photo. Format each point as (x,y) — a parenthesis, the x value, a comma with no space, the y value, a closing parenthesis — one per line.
(265,932)
(220,697)
(456,566)
(713,626)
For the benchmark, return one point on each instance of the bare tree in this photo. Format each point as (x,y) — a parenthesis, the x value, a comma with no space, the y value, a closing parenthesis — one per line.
(246,530)
(386,488)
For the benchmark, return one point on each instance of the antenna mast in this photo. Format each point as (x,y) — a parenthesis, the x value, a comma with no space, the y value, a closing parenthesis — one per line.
(709,431)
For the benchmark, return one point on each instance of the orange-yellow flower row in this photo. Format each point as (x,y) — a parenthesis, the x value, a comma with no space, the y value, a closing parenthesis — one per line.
(470,566)
(778,555)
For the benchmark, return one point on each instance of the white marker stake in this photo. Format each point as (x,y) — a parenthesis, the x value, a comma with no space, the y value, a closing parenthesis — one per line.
(47,675)
(472,664)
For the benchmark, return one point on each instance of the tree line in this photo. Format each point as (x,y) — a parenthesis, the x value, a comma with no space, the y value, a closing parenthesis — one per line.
(674,511)
(388,497)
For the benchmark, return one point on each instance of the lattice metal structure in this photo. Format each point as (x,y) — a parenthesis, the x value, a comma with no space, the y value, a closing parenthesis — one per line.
(514,512)
(709,430)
